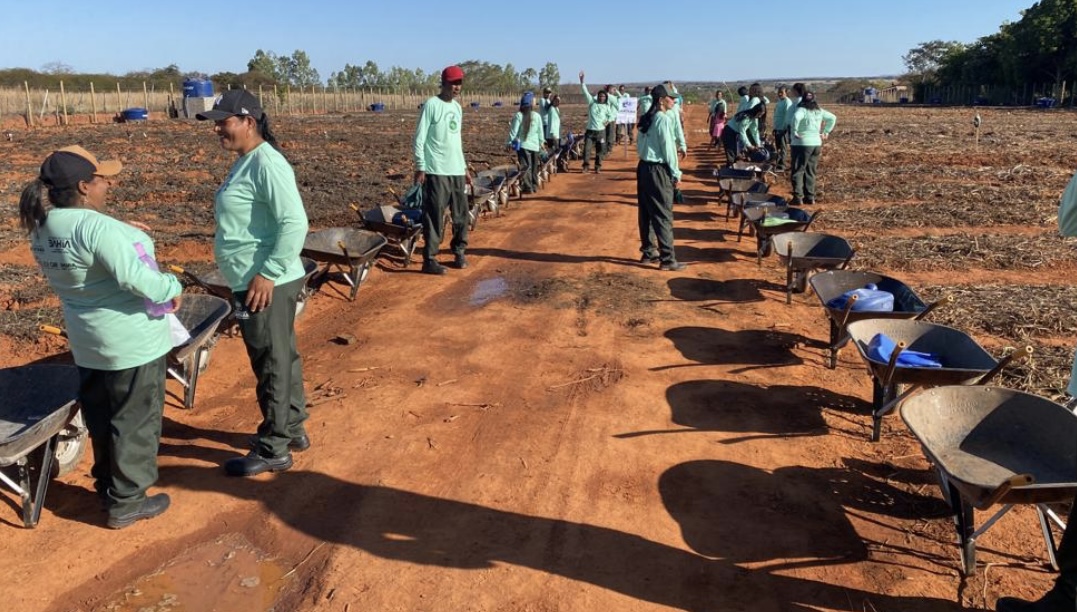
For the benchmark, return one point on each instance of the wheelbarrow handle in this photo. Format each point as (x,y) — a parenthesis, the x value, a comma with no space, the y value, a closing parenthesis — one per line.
(194,278)
(1017,480)
(354,207)
(52,329)
(946,301)
(1022,353)
(892,364)
(848,309)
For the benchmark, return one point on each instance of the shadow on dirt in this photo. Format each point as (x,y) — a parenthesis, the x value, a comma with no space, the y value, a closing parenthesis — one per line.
(704,235)
(414,528)
(752,348)
(695,216)
(737,290)
(765,412)
(548,257)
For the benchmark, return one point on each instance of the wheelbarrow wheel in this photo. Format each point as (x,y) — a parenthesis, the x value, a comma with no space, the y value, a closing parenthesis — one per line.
(70,447)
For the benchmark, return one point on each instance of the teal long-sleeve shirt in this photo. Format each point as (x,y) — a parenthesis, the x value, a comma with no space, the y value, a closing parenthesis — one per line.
(553,123)
(438,147)
(808,125)
(92,263)
(261,222)
(753,129)
(678,128)
(532,140)
(645,102)
(658,144)
(783,113)
(598,115)
(741,124)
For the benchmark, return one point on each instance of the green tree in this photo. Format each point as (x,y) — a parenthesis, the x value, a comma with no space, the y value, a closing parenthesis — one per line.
(925,59)
(528,78)
(266,63)
(1045,40)
(549,76)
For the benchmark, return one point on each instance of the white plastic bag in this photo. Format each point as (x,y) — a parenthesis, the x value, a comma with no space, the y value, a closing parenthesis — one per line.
(179,333)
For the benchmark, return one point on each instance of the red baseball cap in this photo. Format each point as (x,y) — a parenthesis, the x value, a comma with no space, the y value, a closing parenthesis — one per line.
(452,73)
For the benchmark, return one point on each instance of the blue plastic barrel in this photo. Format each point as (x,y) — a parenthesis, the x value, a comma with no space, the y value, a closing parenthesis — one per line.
(197,88)
(498,104)
(135,114)
(474,105)
(903,100)
(377,107)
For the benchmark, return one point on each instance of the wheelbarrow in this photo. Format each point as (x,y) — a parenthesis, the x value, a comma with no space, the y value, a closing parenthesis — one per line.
(38,412)
(760,202)
(991,446)
(213,283)
(489,190)
(352,251)
(766,221)
(512,175)
(962,359)
(833,284)
(802,252)
(731,182)
(761,169)
(201,315)
(402,236)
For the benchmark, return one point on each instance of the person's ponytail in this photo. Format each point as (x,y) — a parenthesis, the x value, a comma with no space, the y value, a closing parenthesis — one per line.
(266,131)
(32,211)
(648,118)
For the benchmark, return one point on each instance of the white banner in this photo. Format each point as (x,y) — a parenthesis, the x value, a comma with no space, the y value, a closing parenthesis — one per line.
(627,113)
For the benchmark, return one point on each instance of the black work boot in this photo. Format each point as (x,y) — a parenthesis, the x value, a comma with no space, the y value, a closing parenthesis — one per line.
(459,262)
(431,266)
(152,506)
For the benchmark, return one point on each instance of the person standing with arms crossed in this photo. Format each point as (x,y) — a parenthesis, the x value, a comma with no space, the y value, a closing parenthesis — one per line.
(657,175)
(113,303)
(598,116)
(261,227)
(438,152)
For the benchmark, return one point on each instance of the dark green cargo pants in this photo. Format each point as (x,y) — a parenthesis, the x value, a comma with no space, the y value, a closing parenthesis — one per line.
(440,192)
(123,410)
(654,192)
(271,346)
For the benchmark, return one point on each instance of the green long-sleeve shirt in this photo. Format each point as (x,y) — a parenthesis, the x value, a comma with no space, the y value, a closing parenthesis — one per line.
(807,126)
(678,128)
(532,140)
(658,144)
(438,148)
(93,265)
(741,124)
(261,223)
(598,115)
(644,104)
(553,123)
(718,105)
(783,113)
(753,129)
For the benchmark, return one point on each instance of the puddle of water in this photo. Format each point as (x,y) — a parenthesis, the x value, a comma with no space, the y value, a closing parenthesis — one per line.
(224,575)
(488,290)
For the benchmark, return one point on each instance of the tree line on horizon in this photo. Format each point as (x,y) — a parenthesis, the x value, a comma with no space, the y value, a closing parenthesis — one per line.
(1041,47)
(269,69)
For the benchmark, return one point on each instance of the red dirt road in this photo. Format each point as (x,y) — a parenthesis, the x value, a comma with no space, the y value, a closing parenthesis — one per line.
(556,427)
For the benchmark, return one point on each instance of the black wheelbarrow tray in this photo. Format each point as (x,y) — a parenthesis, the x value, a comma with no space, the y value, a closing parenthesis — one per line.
(489,190)
(803,252)
(992,445)
(215,284)
(402,237)
(36,412)
(756,217)
(202,315)
(350,250)
(963,361)
(732,182)
(833,284)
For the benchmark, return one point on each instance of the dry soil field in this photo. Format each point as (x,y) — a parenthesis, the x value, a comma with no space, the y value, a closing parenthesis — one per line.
(591,434)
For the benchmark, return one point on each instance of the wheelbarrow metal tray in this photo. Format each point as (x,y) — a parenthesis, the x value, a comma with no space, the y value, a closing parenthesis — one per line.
(980,437)
(200,314)
(324,245)
(37,402)
(835,283)
(734,173)
(962,358)
(742,185)
(811,250)
(215,282)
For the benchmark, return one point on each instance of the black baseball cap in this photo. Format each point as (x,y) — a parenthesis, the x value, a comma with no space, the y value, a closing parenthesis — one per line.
(659,91)
(69,166)
(233,103)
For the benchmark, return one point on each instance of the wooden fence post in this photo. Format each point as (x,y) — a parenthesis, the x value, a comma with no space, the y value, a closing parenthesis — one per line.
(29,106)
(63,102)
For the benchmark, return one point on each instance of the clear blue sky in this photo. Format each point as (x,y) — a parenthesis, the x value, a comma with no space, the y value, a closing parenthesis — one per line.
(633,40)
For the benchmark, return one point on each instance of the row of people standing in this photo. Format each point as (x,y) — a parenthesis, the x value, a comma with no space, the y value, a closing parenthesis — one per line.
(800,127)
